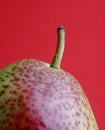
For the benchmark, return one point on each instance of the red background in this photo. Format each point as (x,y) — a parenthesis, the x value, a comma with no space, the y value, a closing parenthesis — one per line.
(28,29)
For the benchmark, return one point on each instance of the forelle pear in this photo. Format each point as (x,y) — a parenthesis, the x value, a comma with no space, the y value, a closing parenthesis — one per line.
(35,95)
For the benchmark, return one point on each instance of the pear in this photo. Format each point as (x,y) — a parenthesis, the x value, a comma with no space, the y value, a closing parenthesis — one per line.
(35,95)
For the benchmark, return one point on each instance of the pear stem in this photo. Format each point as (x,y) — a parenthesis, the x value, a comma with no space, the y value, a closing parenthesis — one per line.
(60,48)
